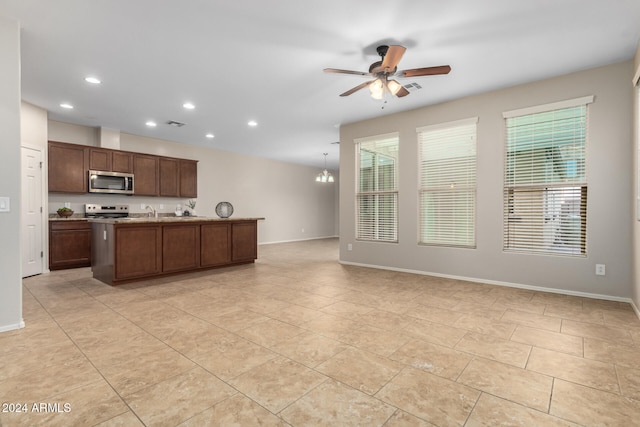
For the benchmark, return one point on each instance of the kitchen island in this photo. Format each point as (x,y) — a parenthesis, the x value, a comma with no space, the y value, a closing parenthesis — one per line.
(139,248)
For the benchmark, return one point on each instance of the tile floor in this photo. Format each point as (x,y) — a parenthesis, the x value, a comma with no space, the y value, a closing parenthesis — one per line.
(298,339)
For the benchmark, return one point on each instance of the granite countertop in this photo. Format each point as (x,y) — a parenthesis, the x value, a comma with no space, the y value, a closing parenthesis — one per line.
(79,217)
(139,220)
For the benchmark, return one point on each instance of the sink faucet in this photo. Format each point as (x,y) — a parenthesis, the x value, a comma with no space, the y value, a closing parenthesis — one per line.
(153,211)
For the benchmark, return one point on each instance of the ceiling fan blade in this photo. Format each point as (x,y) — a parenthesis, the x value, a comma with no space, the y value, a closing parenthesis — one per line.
(427,71)
(357,88)
(335,70)
(402,92)
(392,57)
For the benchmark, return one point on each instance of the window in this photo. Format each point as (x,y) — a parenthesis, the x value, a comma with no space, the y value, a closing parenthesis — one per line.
(545,184)
(377,188)
(447,167)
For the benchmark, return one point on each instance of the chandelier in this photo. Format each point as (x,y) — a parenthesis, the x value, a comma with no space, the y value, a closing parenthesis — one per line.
(325,175)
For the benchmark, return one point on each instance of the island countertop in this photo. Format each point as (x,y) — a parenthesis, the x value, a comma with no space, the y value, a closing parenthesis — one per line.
(164,219)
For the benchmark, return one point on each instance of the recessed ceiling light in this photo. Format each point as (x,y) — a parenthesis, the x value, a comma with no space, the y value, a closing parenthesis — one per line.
(188,106)
(151,124)
(92,80)
(67,106)
(252,123)
(210,135)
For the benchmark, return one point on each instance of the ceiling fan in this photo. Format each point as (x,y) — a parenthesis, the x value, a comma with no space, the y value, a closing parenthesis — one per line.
(384,69)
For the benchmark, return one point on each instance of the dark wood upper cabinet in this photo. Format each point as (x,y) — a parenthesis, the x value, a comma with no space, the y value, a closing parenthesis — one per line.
(67,168)
(189,178)
(102,159)
(178,177)
(153,175)
(169,177)
(99,160)
(145,171)
(121,161)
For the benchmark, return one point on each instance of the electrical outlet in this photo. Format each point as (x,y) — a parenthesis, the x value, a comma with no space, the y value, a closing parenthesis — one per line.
(161,206)
(5,204)
(600,270)
(142,206)
(349,247)
(303,230)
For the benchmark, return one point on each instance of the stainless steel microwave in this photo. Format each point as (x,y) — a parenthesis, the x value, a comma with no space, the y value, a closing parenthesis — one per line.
(110,182)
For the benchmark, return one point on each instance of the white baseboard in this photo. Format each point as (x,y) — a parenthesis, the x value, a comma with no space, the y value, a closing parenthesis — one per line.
(499,283)
(13,327)
(635,308)
(298,240)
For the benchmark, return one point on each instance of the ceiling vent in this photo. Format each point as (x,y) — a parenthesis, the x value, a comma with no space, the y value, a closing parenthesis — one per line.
(175,124)
(411,87)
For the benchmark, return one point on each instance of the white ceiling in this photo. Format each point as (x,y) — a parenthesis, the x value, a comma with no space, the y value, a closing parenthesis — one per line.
(262,60)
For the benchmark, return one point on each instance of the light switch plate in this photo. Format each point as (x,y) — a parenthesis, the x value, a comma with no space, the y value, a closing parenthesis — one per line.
(5,204)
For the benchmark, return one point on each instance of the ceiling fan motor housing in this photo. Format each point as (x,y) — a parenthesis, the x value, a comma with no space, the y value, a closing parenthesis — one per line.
(375,68)
(382,50)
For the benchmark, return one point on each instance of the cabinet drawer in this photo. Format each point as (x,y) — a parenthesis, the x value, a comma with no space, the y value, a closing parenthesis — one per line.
(69,225)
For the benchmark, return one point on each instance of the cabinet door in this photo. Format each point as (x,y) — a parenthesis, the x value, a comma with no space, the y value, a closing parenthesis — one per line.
(69,244)
(138,251)
(67,168)
(99,160)
(169,177)
(145,170)
(188,178)
(215,244)
(244,236)
(121,162)
(180,247)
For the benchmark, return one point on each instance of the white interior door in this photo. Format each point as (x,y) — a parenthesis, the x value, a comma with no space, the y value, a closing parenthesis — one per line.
(32,203)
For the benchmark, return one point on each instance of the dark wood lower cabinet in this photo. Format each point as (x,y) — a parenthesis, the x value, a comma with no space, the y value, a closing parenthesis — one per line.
(180,247)
(138,251)
(215,244)
(244,241)
(125,252)
(69,244)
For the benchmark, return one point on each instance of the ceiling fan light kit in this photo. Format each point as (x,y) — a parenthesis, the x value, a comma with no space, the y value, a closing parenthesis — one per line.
(388,67)
(377,89)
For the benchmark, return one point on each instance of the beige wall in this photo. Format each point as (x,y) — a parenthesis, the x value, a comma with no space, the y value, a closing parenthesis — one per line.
(285,194)
(10,176)
(73,134)
(609,178)
(33,126)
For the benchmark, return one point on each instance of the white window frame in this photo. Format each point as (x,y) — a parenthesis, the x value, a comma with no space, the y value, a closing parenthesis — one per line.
(379,227)
(546,228)
(451,218)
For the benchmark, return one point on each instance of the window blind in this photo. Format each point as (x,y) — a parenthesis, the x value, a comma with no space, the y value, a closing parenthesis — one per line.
(377,188)
(545,192)
(447,168)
